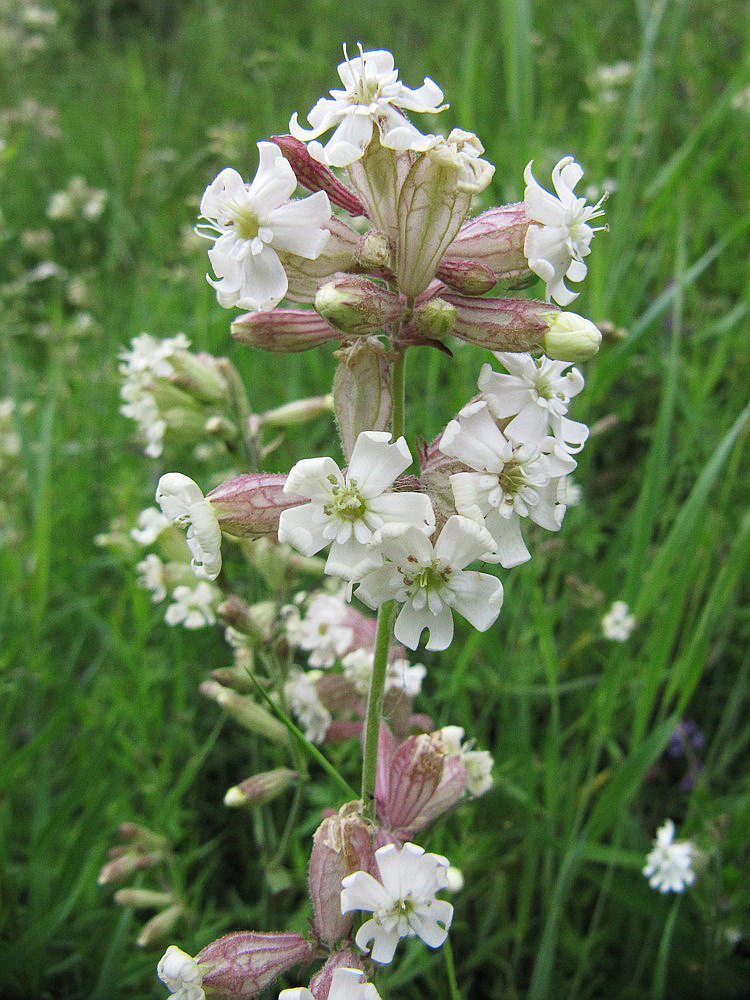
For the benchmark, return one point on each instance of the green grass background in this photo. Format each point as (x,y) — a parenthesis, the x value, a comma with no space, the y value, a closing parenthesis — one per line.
(100,718)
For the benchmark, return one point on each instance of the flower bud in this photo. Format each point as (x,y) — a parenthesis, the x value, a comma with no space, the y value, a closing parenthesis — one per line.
(434,319)
(468,277)
(285,331)
(357,305)
(571,338)
(413,776)
(143,899)
(341,845)
(260,788)
(127,864)
(493,240)
(316,176)
(240,965)
(254,620)
(199,375)
(300,411)
(515,325)
(250,505)
(246,711)
(361,391)
(155,930)
(373,252)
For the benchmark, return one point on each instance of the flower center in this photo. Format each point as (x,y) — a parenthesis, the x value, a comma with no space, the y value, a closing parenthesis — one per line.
(429,578)
(346,503)
(512,480)
(246,224)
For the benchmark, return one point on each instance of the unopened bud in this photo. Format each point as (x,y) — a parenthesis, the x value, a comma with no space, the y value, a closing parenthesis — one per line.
(357,305)
(159,927)
(285,331)
(240,965)
(143,899)
(515,325)
(126,865)
(250,505)
(199,375)
(434,319)
(141,837)
(220,427)
(571,338)
(254,620)
(373,252)
(316,176)
(495,241)
(298,412)
(260,788)
(361,391)
(466,276)
(246,711)
(341,845)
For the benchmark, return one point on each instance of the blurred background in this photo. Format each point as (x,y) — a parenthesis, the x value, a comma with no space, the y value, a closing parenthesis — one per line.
(113,118)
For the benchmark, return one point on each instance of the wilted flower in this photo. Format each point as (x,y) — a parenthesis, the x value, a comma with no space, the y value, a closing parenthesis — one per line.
(669,866)
(253,224)
(559,235)
(180,973)
(183,503)
(372,98)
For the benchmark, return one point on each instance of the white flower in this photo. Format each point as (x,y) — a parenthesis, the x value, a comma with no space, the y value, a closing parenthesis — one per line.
(669,866)
(302,697)
(511,481)
(478,763)
(180,973)
(193,607)
(373,96)
(430,581)
(253,224)
(346,984)
(463,150)
(535,395)
(400,674)
(618,623)
(347,509)
(559,235)
(184,504)
(403,903)
(322,631)
(148,360)
(152,577)
(149,525)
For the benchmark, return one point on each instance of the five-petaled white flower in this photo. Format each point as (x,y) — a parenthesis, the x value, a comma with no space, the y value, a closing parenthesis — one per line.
(512,480)
(346,984)
(559,234)
(323,630)
(182,502)
(193,607)
(253,223)
(430,581)
(533,397)
(180,973)
(347,509)
(669,866)
(402,903)
(372,97)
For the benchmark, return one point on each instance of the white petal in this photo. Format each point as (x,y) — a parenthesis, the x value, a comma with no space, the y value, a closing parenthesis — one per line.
(298,226)
(264,282)
(299,527)
(479,598)
(375,464)
(274,181)
(405,508)
(461,541)
(310,477)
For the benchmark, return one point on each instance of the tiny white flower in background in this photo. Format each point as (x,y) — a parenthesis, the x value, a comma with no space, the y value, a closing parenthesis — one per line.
(151,577)
(559,235)
(183,503)
(148,359)
(347,509)
(149,525)
(402,903)
(321,631)
(478,763)
(193,607)
(400,674)
(534,398)
(302,697)
(430,581)
(618,623)
(252,223)
(669,866)
(180,973)
(455,879)
(346,984)
(373,97)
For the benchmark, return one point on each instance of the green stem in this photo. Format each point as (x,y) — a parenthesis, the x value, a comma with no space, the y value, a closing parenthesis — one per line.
(450,970)
(398,369)
(375,709)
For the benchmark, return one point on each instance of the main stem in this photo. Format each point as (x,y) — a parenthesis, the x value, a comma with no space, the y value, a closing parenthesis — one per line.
(383,634)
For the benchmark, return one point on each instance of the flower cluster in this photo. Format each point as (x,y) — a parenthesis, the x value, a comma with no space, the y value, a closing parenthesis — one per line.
(669,866)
